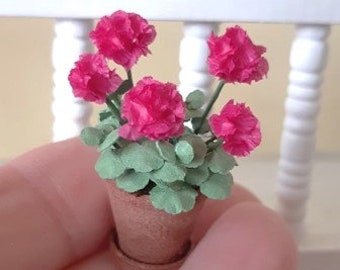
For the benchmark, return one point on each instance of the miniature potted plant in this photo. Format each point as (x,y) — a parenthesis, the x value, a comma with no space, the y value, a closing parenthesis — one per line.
(160,154)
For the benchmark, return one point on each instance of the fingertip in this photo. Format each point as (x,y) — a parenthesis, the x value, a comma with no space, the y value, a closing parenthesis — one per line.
(102,260)
(247,236)
(213,209)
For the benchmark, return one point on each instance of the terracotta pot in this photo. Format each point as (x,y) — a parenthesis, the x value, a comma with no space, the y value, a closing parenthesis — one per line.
(149,236)
(123,262)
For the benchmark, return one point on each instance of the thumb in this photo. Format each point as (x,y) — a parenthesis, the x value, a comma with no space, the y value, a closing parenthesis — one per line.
(249,237)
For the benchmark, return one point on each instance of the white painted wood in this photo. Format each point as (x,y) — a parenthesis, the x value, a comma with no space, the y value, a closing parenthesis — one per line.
(307,60)
(288,11)
(193,58)
(70,114)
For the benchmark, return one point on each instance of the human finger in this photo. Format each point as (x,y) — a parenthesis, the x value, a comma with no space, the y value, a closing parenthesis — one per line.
(213,209)
(53,208)
(102,260)
(247,236)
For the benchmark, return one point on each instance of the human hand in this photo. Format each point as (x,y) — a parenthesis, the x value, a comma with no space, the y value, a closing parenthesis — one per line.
(55,214)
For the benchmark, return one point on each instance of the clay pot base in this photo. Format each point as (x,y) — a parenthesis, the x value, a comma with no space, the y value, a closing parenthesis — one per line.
(123,262)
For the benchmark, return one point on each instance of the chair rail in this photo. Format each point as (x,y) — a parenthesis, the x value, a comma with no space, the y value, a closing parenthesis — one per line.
(260,11)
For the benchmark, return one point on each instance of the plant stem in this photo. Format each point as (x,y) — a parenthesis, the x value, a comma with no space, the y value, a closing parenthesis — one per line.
(210,105)
(129,76)
(113,109)
(116,101)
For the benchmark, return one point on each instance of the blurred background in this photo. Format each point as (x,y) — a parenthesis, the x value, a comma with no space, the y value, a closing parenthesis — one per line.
(26,76)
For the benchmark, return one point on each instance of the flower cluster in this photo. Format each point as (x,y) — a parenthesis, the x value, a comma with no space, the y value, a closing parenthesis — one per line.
(234,58)
(154,110)
(144,143)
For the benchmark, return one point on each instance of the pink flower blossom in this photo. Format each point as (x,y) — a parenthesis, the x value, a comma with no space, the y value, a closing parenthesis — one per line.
(154,110)
(91,78)
(123,37)
(238,127)
(234,58)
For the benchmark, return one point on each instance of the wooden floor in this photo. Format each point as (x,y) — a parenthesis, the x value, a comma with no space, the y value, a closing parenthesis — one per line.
(320,245)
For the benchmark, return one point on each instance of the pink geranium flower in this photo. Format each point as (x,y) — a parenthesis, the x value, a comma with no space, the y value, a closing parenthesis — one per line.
(238,127)
(91,78)
(234,58)
(123,37)
(154,110)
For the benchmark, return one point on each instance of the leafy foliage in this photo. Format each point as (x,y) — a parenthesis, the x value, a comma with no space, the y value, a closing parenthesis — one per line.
(109,165)
(221,162)
(173,201)
(141,158)
(132,181)
(91,136)
(217,186)
(170,172)
(195,100)
(179,169)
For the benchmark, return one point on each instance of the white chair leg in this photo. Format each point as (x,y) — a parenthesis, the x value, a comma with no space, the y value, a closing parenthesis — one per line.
(307,60)
(70,114)
(193,58)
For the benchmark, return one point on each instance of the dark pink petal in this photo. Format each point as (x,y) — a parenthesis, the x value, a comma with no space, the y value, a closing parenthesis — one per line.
(154,110)
(126,131)
(238,127)
(123,37)
(92,79)
(234,58)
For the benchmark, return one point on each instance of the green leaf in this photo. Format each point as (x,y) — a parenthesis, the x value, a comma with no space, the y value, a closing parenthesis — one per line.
(173,201)
(221,162)
(195,100)
(166,150)
(91,136)
(159,182)
(170,172)
(132,181)
(184,151)
(196,176)
(198,147)
(109,122)
(218,186)
(109,165)
(191,114)
(196,121)
(141,158)
(110,139)
(105,128)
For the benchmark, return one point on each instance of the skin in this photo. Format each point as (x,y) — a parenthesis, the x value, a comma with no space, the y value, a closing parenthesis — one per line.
(55,214)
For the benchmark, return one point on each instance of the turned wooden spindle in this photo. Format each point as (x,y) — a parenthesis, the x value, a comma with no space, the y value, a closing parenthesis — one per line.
(70,114)
(307,60)
(193,58)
